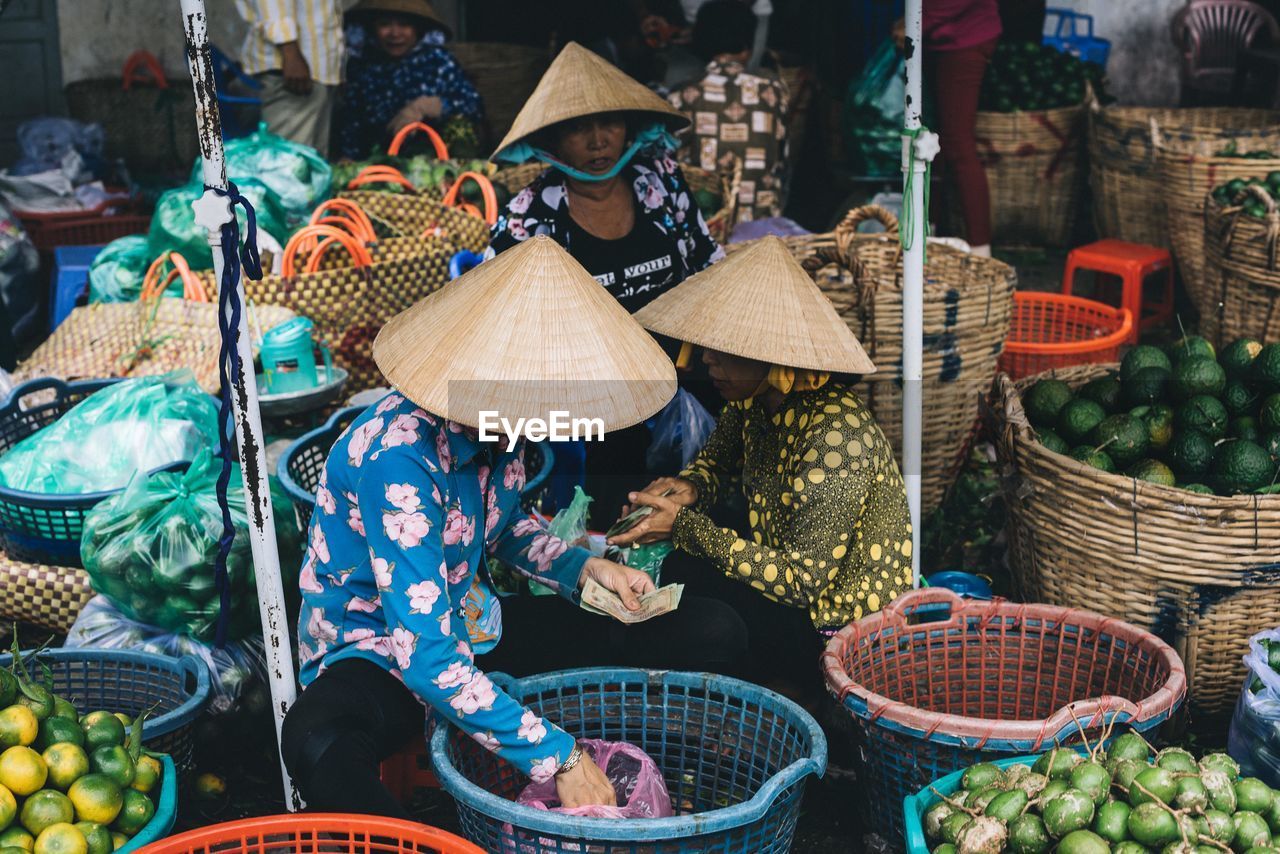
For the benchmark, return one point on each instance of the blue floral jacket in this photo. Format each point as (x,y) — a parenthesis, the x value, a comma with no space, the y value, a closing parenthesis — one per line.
(407,509)
(378,87)
(665,200)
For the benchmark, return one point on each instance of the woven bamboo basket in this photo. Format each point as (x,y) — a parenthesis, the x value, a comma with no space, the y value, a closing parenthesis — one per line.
(1241,273)
(1124,169)
(136,339)
(411,215)
(968,302)
(1202,572)
(720,224)
(1035,171)
(1186,180)
(505,75)
(47,596)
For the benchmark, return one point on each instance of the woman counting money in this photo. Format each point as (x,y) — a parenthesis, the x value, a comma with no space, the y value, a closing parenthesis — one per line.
(414,500)
(828,535)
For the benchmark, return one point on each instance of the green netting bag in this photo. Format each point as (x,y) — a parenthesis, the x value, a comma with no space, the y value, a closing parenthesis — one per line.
(874,114)
(173,225)
(297,174)
(116,273)
(151,550)
(131,426)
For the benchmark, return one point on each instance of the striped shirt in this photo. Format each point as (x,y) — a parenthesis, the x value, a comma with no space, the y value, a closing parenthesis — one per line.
(316,25)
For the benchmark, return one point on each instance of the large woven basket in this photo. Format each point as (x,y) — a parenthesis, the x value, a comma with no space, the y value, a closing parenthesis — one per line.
(47,596)
(1124,169)
(138,339)
(720,224)
(412,215)
(1241,287)
(968,302)
(1186,181)
(505,75)
(1035,170)
(1201,572)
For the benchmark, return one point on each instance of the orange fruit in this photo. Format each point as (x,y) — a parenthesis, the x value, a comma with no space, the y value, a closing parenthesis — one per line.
(46,808)
(22,771)
(97,798)
(62,838)
(67,763)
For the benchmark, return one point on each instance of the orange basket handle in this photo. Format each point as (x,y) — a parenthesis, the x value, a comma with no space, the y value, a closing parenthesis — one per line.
(381,175)
(141,60)
(442,151)
(359,223)
(486,190)
(153,286)
(358,253)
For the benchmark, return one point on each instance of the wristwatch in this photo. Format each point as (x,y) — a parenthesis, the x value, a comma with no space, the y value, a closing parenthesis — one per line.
(575,756)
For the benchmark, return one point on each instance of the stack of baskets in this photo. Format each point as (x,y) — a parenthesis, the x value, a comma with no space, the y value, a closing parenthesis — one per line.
(722,186)
(1124,164)
(1201,572)
(936,683)
(1186,179)
(968,302)
(1035,171)
(1241,284)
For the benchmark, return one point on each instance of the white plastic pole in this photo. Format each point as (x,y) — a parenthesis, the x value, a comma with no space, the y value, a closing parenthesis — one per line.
(213,212)
(914,176)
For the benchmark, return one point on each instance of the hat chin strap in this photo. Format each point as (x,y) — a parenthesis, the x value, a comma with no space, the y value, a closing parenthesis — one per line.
(655,134)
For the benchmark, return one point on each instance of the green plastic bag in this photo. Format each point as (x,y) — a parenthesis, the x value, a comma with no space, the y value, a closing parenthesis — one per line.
(135,425)
(297,174)
(173,225)
(151,550)
(116,273)
(874,115)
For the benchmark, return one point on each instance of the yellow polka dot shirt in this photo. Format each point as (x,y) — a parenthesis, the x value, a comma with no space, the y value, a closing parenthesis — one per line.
(830,527)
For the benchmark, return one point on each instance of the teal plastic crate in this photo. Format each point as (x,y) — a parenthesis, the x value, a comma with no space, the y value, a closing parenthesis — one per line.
(166,810)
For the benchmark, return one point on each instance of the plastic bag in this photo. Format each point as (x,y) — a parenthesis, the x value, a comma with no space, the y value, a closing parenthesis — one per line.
(297,174)
(570,525)
(131,426)
(19,263)
(151,550)
(874,113)
(679,432)
(101,626)
(116,273)
(46,140)
(1254,738)
(637,783)
(173,225)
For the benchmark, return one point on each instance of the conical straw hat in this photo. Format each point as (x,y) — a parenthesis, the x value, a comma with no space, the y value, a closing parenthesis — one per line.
(581,83)
(523,335)
(759,303)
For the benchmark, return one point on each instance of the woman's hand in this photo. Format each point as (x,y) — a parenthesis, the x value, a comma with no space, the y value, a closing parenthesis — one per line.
(682,492)
(630,584)
(654,527)
(417,110)
(585,785)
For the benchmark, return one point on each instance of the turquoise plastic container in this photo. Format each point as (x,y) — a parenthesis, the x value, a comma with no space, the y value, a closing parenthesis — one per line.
(288,357)
(166,810)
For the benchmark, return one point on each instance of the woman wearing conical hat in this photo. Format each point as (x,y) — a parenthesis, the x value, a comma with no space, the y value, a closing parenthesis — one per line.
(614,197)
(414,499)
(828,535)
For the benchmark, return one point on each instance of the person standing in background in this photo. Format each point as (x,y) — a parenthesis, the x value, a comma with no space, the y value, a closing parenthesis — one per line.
(294,48)
(734,113)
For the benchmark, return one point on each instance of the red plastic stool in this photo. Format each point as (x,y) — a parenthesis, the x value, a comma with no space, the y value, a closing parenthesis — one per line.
(1134,263)
(408,770)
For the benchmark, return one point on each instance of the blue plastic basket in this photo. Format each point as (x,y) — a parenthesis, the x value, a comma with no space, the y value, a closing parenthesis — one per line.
(166,810)
(915,806)
(173,690)
(734,756)
(300,466)
(35,527)
(1072,32)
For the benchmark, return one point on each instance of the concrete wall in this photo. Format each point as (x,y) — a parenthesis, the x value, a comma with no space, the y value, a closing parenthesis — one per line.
(1143,67)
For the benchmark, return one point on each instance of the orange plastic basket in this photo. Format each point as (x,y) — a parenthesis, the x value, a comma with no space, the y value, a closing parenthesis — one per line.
(314,833)
(1056,331)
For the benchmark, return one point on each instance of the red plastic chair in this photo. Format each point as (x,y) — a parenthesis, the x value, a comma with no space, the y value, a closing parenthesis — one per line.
(1145,273)
(1211,35)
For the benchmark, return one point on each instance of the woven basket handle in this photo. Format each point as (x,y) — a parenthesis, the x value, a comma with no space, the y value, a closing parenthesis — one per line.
(453,197)
(849,225)
(331,235)
(141,60)
(347,213)
(908,603)
(442,151)
(381,175)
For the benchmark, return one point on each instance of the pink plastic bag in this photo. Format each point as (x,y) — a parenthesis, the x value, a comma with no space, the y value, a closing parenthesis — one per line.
(637,784)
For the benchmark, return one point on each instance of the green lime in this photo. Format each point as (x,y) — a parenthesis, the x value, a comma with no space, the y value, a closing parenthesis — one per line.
(1078,419)
(1197,375)
(1241,466)
(1190,453)
(1143,356)
(1204,414)
(1238,357)
(1044,400)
